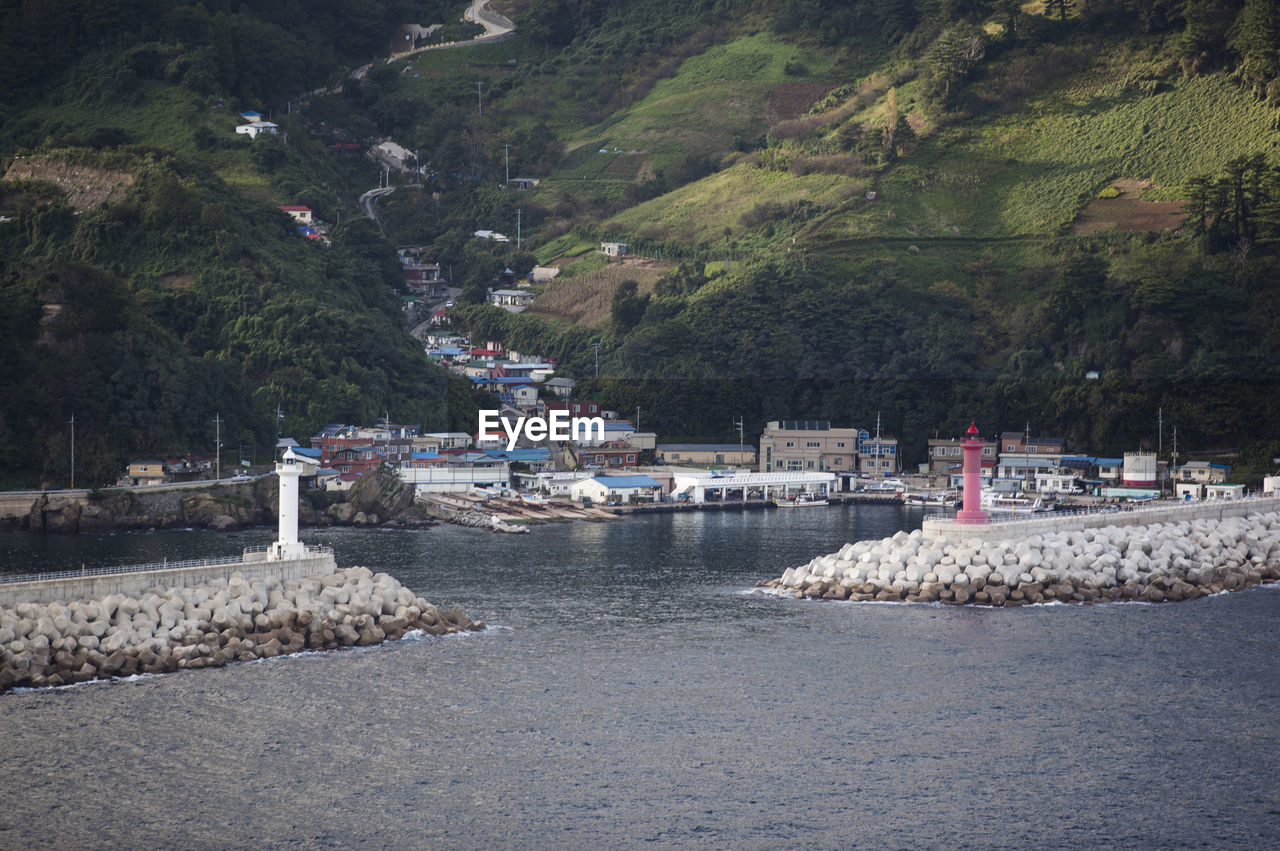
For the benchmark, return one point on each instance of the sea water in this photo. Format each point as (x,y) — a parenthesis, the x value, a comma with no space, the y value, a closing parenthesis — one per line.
(633,691)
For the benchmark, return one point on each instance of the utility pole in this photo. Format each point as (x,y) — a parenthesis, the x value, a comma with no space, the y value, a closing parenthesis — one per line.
(1026,455)
(217,447)
(506,156)
(518,212)
(738,425)
(73,451)
(479,101)
(637,417)
(1173,470)
(597,348)
(279,417)
(1159,432)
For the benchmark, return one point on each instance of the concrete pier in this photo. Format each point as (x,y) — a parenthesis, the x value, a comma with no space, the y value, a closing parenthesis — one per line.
(1061,521)
(1170,552)
(66,586)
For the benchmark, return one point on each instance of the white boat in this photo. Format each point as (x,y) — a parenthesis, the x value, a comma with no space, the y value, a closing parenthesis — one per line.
(942,499)
(802,500)
(995,503)
(882,485)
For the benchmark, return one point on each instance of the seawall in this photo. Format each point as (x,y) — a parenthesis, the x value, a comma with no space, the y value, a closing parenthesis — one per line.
(136,579)
(1156,555)
(1213,509)
(211,624)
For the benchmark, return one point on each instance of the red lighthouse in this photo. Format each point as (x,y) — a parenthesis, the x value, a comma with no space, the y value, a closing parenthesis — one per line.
(972,446)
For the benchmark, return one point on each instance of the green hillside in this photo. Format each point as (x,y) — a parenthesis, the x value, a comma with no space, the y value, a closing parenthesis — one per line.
(926,212)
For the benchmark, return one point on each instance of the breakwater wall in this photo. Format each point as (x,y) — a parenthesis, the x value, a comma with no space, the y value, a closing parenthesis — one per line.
(1167,512)
(67,586)
(210,624)
(1177,558)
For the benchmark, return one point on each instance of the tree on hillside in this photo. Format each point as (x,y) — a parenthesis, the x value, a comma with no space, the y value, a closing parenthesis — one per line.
(1059,6)
(951,59)
(1256,39)
(1224,211)
(891,121)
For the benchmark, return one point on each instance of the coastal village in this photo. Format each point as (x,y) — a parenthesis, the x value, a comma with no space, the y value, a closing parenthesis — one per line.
(505,482)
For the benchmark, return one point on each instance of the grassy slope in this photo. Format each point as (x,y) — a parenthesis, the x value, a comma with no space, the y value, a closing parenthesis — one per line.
(587,298)
(1030,172)
(1025,173)
(700,211)
(726,92)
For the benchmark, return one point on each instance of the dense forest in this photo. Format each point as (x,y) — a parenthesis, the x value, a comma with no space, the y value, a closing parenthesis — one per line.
(918,211)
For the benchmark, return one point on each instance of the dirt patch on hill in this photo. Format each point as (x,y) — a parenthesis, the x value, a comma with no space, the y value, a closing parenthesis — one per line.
(85,186)
(1128,212)
(177,282)
(791,100)
(588,300)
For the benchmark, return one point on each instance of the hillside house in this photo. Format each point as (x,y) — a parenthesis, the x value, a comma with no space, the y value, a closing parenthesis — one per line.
(390,155)
(576,408)
(301,215)
(254,128)
(614,249)
(561,387)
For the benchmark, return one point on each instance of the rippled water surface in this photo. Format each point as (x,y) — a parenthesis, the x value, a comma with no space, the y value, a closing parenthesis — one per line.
(631,691)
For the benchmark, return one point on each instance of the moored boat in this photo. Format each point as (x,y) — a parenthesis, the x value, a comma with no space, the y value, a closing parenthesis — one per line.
(995,503)
(941,499)
(802,500)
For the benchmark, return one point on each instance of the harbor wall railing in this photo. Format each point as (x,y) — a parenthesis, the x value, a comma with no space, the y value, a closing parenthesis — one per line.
(132,580)
(1025,527)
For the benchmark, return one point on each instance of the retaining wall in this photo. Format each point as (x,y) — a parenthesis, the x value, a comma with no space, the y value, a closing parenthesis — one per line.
(93,587)
(1214,509)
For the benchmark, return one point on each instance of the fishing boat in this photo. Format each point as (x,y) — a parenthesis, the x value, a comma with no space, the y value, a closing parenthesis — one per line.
(1001,504)
(802,500)
(941,499)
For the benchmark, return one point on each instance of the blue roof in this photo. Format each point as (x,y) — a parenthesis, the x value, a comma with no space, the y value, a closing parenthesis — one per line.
(704,447)
(510,379)
(627,481)
(1108,461)
(309,453)
(425,456)
(537,453)
(618,425)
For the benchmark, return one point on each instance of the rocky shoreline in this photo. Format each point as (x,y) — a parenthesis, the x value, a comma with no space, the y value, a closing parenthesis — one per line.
(378,499)
(210,625)
(1160,562)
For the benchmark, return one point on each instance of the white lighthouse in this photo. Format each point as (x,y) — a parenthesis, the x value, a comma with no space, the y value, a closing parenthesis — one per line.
(290,468)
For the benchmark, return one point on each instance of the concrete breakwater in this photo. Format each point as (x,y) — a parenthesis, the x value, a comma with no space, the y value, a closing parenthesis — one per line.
(1175,560)
(210,625)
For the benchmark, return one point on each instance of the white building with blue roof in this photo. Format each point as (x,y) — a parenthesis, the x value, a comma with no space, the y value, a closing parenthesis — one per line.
(616,489)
